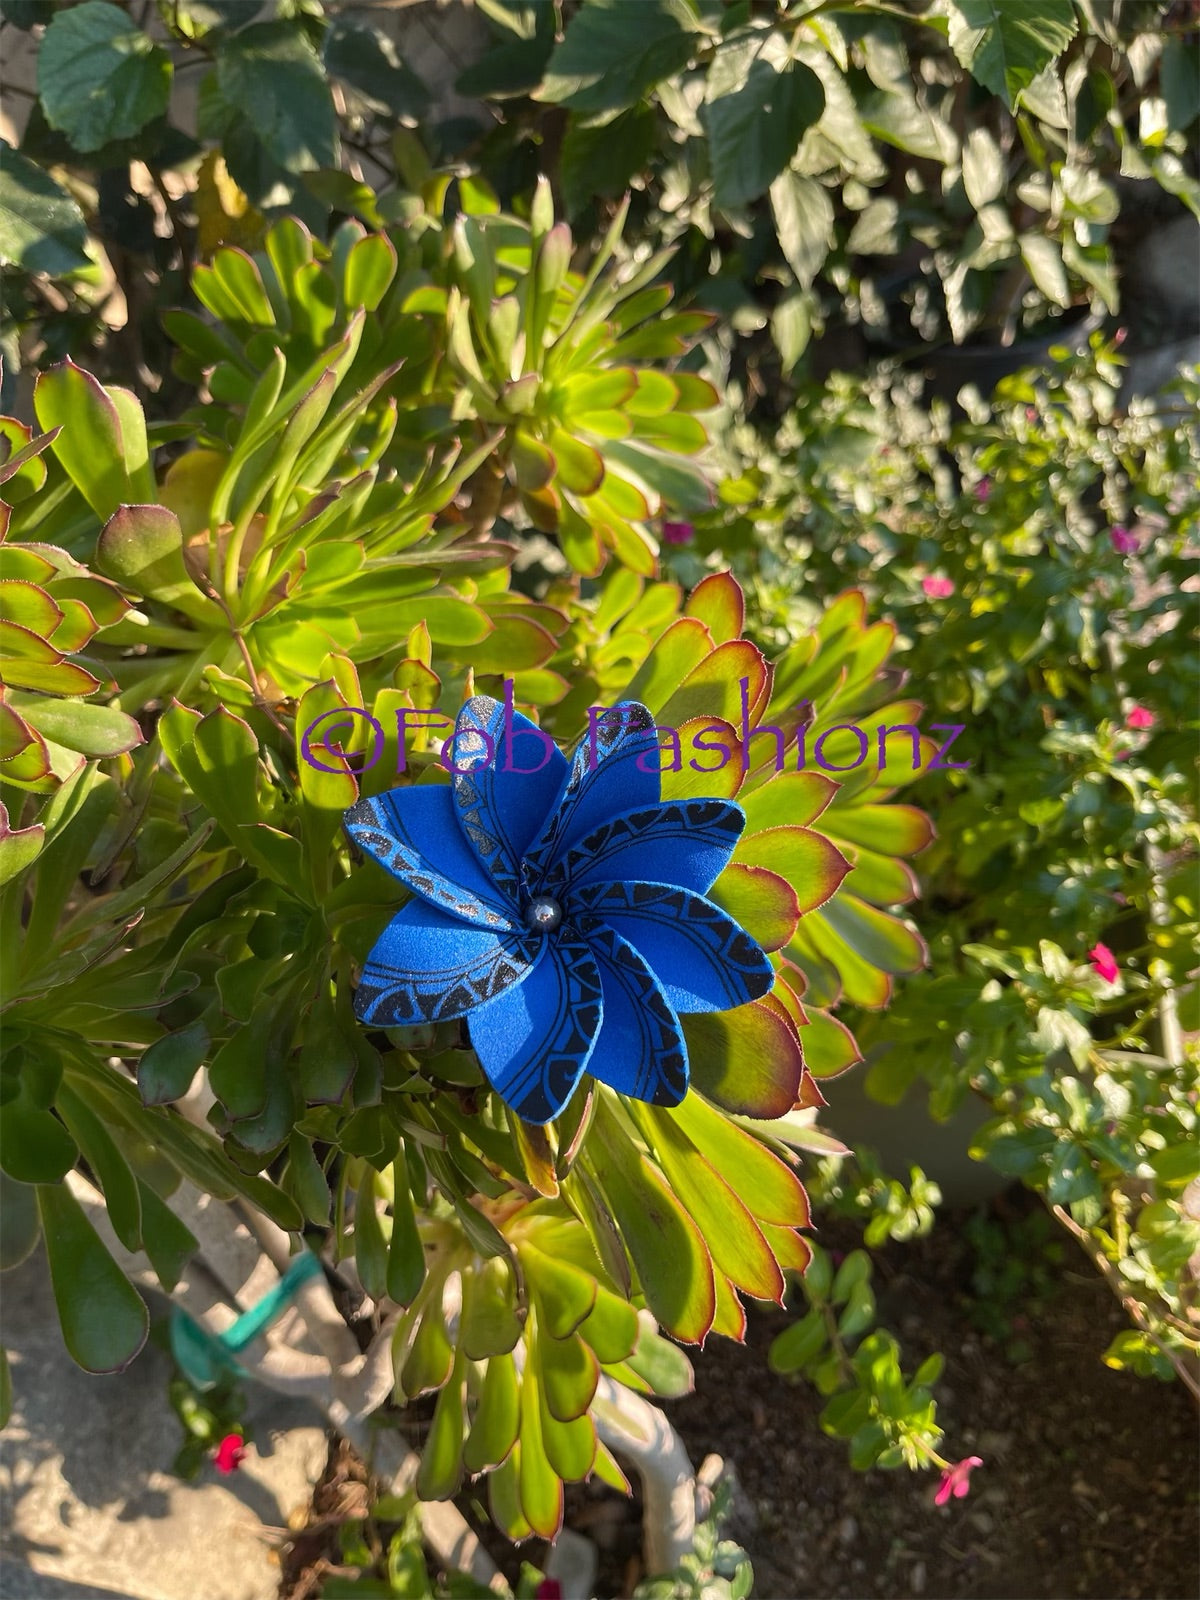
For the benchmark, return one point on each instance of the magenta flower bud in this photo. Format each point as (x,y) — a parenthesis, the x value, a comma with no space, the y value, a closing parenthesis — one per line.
(1104,963)
(956,1480)
(678,532)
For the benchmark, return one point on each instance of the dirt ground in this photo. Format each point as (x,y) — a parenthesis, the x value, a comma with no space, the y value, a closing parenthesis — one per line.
(1089,1484)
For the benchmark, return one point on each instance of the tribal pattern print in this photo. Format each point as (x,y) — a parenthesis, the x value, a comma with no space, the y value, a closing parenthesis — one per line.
(561,909)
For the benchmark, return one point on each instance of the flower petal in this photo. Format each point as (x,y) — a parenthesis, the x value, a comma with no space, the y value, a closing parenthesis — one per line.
(687,841)
(505,797)
(534,1040)
(604,779)
(640,1050)
(414,833)
(702,958)
(427,966)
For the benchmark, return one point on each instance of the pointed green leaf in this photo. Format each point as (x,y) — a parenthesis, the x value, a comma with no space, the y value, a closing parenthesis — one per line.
(667,1248)
(746,1061)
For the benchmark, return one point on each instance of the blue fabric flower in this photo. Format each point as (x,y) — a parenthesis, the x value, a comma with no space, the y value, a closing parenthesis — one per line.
(562,911)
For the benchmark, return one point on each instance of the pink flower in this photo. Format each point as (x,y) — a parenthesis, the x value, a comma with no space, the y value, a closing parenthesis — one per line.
(1030,413)
(678,532)
(937,588)
(1139,718)
(549,1589)
(1104,962)
(956,1480)
(230,1453)
(982,490)
(1124,542)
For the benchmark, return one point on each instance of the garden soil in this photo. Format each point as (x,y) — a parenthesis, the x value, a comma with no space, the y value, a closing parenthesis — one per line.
(1089,1483)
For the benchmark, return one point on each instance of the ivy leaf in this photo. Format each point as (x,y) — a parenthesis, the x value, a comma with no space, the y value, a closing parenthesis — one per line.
(614,51)
(759,103)
(99,77)
(41,227)
(1005,44)
(271,68)
(804,222)
(1044,262)
(601,161)
(366,59)
(983,172)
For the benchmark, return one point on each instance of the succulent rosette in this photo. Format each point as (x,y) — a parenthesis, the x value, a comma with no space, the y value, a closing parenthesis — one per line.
(560,907)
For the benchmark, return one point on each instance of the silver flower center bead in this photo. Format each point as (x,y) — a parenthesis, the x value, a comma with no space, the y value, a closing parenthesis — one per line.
(543,914)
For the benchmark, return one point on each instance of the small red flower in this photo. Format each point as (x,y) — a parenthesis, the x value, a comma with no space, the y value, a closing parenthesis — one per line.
(937,588)
(230,1453)
(1104,962)
(1139,718)
(678,532)
(982,490)
(956,1480)
(1124,542)
(549,1589)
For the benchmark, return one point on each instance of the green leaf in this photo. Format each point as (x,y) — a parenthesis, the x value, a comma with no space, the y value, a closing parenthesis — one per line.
(610,1328)
(765,1183)
(661,1365)
(41,227)
(1004,44)
(809,862)
(91,445)
(984,176)
(569,1372)
(19,847)
(667,1248)
(565,1293)
(803,212)
(791,328)
(365,58)
(271,70)
(734,1239)
(168,1243)
(19,1226)
(797,1346)
(440,1474)
(107,1163)
(614,51)
(490,1325)
(99,77)
(494,1430)
(541,1488)
(36,1147)
(370,268)
(96,731)
(327,1054)
(1179,75)
(406,1254)
(759,102)
(166,1069)
(600,161)
(1044,262)
(746,1061)
(760,901)
(104,1319)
